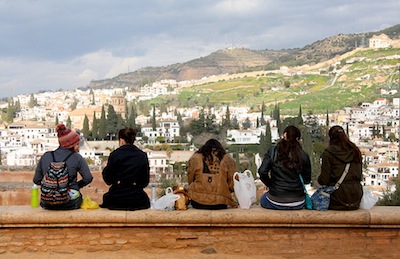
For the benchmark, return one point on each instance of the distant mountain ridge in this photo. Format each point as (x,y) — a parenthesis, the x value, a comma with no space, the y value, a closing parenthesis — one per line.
(236,60)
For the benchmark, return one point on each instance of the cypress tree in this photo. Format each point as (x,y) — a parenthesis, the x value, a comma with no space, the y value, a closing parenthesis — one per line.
(268,135)
(153,119)
(102,124)
(68,123)
(300,117)
(85,128)
(95,127)
(262,122)
(327,119)
(120,123)
(226,122)
(131,122)
(263,145)
(112,122)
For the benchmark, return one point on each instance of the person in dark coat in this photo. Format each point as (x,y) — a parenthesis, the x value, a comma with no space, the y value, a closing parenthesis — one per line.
(280,171)
(334,159)
(128,173)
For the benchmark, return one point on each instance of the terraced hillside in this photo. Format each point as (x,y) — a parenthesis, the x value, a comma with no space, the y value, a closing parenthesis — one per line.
(230,60)
(344,81)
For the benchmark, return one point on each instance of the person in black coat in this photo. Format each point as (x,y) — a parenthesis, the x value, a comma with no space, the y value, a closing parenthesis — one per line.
(128,173)
(280,171)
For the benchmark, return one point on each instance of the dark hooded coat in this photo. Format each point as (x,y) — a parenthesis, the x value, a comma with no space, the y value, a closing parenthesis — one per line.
(334,160)
(128,173)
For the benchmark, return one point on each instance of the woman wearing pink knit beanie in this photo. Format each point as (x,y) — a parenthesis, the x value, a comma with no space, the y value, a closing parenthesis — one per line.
(51,197)
(66,137)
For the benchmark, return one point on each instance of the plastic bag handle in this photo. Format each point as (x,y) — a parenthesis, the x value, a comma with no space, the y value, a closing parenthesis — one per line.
(248,173)
(168,190)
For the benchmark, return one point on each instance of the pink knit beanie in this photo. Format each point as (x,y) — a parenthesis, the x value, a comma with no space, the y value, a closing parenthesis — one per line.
(66,137)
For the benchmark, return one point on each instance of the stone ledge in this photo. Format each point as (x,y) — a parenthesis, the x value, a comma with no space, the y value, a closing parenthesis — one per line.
(25,216)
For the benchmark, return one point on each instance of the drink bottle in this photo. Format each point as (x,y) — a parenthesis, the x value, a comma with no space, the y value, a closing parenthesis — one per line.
(35,196)
(153,195)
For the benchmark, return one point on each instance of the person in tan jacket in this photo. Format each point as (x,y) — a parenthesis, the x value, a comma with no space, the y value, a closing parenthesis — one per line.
(210,176)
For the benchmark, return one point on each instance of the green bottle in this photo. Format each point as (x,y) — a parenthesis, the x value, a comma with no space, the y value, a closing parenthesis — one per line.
(35,196)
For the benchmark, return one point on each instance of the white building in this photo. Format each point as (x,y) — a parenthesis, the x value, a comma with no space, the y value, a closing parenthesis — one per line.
(159,168)
(381,41)
(169,129)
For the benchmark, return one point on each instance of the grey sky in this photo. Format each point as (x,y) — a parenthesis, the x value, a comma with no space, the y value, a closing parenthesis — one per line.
(51,45)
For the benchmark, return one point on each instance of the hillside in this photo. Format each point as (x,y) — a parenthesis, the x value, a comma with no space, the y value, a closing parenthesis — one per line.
(231,60)
(240,60)
(344,81)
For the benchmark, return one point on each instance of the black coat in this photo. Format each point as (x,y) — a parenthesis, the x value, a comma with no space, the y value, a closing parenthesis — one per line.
(284,183)
(348,196)
(128,173)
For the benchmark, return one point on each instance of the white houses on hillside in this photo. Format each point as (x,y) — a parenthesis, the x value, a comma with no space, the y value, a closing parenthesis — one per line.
(169,129)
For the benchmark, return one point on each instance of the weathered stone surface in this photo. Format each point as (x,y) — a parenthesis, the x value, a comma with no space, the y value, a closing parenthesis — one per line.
(232,232)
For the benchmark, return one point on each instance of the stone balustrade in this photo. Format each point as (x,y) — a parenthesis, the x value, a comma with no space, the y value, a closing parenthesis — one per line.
(232,232)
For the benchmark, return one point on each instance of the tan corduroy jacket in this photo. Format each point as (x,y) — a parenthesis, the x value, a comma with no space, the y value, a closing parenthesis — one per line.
(215,185)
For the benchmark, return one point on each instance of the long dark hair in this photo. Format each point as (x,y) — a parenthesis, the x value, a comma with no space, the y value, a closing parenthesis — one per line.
(289,148)
(127,134)
(338,137)
(210,147)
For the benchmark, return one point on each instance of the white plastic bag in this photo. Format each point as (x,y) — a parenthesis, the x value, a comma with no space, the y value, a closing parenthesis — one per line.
(368,199)
(166,202)
(245,189)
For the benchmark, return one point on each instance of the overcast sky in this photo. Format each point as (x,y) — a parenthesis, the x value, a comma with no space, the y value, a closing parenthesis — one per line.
(64,44)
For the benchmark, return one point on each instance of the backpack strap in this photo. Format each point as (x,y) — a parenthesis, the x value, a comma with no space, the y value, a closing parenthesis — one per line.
(65,160)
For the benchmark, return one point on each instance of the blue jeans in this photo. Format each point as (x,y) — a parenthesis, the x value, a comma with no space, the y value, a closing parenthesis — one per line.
(266,203)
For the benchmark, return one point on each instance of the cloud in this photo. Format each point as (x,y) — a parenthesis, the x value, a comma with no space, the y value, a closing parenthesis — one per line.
(65,44)
(87,75)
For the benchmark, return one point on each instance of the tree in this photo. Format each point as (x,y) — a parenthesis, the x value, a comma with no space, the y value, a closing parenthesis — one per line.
(32,101)
(112,122)
(300,117)
(277,116)
(268,135)
(210,125)
(226,121)
(95,127)
(120,122)
(74,104)
(263,145)
(234,123)
(85,127)
(69,122)
(10,112)
(286,83)
(153,118)
(56,120)
(102,124)
(196,127)
(262,121)
(327,119)
(179,119)
(131,121)
(246,124)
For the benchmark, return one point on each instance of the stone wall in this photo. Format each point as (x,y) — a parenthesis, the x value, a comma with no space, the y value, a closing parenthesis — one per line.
(232,232)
